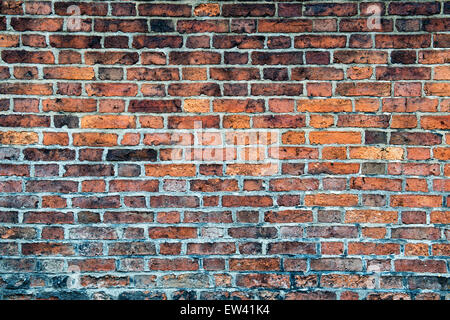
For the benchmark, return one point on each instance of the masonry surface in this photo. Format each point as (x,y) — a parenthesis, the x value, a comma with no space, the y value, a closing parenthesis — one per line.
(224,150)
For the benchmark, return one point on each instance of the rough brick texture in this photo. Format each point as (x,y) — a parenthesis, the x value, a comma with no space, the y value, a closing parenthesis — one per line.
(224,150)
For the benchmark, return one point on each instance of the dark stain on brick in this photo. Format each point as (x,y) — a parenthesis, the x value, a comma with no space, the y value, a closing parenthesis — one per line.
(131,155)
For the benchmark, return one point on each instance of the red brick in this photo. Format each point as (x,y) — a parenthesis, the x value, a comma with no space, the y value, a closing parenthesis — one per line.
(285,26)
(164,10)
(430,266)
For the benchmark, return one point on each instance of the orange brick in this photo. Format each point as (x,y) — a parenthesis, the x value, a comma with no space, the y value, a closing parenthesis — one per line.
(95,139)
(389,153)
(56,138)
(324,105)
(174,170)
(341,200)
(16,137)
(334,137)
(108,122)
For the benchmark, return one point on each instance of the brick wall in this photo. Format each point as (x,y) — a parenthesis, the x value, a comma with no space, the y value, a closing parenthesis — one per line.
(224,149)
